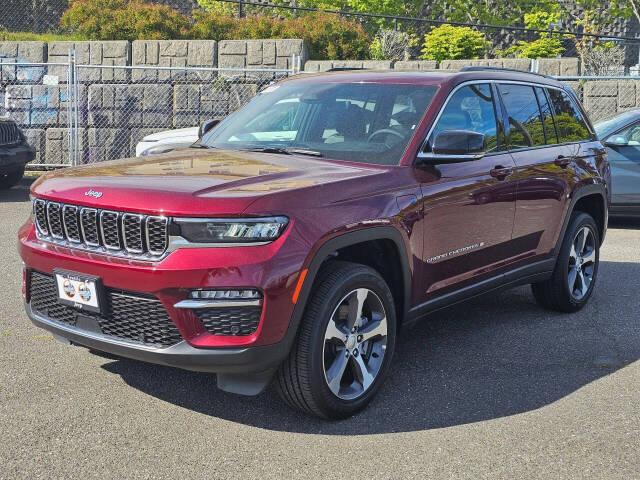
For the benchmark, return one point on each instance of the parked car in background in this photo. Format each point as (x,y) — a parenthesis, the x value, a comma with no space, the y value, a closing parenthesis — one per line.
(293,246)
(15,153)
(621,137)
(166,141)
(170,140)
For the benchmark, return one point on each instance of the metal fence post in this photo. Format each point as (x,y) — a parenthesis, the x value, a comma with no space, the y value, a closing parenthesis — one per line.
(76,98)
(70,136)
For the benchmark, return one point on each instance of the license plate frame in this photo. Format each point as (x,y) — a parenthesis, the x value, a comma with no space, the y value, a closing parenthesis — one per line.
(70,285)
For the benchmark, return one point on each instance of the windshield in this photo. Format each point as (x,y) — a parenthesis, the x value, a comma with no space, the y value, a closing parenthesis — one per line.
(361,122)
(607,127)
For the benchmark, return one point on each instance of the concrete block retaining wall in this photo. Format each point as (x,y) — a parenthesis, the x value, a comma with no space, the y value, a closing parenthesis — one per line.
(117,107)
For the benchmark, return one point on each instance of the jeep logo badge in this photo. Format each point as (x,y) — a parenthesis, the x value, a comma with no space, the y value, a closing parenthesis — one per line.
(92,193)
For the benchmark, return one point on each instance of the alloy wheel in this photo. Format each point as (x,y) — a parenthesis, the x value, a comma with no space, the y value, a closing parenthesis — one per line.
(355,342)
(582,262)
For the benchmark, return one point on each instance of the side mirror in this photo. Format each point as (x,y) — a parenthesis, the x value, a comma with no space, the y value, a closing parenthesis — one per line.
(454,146)
(206,126)
(617,141)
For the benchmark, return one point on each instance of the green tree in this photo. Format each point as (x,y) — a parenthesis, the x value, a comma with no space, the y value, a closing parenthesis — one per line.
(448,42)
(592,16)
(547,44)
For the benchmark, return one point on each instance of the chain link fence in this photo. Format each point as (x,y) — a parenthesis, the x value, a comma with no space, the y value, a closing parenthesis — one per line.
(104,111)
(37,16)
(604,97)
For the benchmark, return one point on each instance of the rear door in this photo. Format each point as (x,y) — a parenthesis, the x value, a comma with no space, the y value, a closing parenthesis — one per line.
(544,166)
(469,207)
(625,167)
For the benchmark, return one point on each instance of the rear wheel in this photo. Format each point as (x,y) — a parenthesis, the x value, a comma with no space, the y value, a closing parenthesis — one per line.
(576,269)
(345,343)
(10,179)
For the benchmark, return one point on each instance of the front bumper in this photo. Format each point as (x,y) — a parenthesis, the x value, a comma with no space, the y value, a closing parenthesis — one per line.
(182,355)
(171,279)
(15,157)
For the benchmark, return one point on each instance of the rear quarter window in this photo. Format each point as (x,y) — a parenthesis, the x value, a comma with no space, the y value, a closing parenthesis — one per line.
(570,123)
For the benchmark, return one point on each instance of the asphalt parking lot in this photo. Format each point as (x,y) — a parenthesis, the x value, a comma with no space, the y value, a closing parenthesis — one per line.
(496,388)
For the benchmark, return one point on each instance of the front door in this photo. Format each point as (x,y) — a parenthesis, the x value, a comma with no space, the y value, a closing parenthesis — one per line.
(625,167)
(469,207)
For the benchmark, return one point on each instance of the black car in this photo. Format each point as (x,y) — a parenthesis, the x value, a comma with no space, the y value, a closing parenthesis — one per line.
(621,137)
(15,153)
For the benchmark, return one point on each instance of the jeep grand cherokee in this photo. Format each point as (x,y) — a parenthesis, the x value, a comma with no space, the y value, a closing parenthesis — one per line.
(296,238)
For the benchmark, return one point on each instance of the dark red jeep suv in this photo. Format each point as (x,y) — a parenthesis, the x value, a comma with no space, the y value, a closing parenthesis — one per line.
(296,238)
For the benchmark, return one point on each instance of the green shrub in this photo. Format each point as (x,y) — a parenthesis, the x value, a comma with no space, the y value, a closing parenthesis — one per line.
(449,42)
(124,20)
(547,45)
(326,36)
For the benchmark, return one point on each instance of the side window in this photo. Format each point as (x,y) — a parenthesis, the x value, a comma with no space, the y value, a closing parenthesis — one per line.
(523,116)
(547,117)
(632,134)
(570,125)
(470,108)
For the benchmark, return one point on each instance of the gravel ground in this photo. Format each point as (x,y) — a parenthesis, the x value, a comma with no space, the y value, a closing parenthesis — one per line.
(497,388)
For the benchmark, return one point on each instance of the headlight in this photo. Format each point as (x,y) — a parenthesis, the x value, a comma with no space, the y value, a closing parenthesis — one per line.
(219,230)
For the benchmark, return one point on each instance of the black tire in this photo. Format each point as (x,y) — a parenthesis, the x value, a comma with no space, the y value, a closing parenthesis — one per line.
(555,293)
(10,179)
(301,379)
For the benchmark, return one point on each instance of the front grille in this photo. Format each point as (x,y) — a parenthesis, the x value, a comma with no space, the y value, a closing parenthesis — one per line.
(129,316)
(55,220)
(117,232)
(70,222)
(234,321)
(9,133)
(109,229)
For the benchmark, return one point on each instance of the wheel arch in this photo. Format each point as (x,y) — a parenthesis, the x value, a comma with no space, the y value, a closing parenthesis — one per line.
(591,199)
(356,246)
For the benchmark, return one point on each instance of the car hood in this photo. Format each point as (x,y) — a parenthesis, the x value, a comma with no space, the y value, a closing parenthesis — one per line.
(192,181)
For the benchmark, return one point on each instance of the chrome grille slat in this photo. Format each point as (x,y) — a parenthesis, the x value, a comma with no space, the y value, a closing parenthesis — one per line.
(70,223)
(103,231)
(156,233)
(109,229)
(40,213)
(89,226)
(54,219)
(132,232)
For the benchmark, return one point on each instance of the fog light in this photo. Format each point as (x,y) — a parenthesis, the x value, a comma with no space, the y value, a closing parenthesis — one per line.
(225,294)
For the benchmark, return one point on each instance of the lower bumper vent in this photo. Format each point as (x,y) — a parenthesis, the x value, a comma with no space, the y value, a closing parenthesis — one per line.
(129,316)
(232,321)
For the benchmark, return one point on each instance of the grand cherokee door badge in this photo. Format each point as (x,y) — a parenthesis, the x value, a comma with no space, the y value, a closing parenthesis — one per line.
(455,252)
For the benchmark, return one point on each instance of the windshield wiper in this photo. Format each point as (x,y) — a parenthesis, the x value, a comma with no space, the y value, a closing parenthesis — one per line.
(284,151)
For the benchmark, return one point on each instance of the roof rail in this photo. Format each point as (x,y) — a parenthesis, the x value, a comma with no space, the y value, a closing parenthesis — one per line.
(480,68)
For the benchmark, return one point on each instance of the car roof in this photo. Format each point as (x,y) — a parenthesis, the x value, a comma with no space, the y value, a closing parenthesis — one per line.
(425,78)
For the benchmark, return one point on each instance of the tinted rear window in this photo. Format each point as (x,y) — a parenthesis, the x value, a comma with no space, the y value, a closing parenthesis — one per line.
(547,117)
(523,116)
(570,124)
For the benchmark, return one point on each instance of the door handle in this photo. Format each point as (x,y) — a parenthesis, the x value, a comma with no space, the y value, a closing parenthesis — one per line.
(500,172)
(563,161)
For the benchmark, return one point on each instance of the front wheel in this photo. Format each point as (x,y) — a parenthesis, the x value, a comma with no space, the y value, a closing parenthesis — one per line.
(576,269)
(10,179)
(344,346)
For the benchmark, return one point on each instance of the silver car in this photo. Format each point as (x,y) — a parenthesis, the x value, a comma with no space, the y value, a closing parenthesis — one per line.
(621,137)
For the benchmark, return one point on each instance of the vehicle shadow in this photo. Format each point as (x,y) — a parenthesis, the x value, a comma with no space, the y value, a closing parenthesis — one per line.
(627,223)
(488,358)
(19,193)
